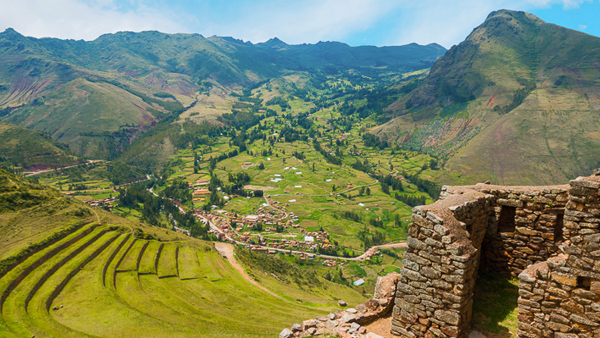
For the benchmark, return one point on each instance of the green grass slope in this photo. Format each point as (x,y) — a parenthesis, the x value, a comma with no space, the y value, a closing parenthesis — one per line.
(514,103)
(99,278)
(29,149)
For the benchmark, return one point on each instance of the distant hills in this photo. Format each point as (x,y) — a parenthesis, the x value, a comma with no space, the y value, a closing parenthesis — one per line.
(516,103)
(31,149)
(96,96)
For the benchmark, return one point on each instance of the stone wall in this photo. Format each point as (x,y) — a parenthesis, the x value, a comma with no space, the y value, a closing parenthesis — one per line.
(435,289)
(533,236)
(550,232)
(560,297)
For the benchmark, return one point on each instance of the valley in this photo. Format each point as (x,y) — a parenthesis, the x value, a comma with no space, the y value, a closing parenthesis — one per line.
(213,187)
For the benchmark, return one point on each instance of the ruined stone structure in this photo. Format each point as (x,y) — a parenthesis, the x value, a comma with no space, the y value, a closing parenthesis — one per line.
(548,236)
(349,323)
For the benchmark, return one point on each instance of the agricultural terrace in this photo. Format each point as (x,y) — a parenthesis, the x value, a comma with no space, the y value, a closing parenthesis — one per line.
(134,285)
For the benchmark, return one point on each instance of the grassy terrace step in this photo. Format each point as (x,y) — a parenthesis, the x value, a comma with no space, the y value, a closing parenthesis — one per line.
(189,268)
(61,263)
(42,267)
(206,269)
(118,259)
(39,308)
(17,273)
(112,256)
(131,260)
(167,262)
(149,258)
(26,312)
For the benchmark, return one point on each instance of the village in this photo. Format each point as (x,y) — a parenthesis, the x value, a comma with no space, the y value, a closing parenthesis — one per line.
(269,230)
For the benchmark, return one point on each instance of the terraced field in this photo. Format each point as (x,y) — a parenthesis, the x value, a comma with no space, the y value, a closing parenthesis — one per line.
(99,281)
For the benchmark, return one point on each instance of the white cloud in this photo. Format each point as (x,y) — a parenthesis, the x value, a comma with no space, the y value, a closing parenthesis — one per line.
(80,19)
(305,21)
(582,27)
(567,4)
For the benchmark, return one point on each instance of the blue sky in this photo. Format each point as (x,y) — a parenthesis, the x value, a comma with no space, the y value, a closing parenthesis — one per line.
(356,22)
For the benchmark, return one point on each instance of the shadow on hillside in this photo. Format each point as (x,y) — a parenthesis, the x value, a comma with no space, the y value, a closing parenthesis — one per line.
(495,307)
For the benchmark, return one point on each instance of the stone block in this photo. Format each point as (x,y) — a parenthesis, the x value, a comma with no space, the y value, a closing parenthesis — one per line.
(434,218)
(414,243)
(441,229)
(430,273)
(448,317)
(582,182)
(564,279)
(510,202)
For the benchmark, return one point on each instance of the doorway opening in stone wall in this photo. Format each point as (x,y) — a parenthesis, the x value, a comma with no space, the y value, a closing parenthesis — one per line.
(506,221)
(496,293)
(558,227)
(495,305)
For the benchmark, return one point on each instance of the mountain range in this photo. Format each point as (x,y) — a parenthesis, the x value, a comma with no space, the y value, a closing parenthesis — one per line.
(515,103)
(94,96)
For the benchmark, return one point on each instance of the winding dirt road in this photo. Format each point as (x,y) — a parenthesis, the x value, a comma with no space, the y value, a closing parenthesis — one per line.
(226,249)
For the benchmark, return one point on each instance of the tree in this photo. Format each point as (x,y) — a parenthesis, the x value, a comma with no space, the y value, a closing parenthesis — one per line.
(261,166)
(368,190)
(333,188)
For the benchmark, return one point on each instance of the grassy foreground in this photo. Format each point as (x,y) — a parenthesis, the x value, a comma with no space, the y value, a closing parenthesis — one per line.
(100,281)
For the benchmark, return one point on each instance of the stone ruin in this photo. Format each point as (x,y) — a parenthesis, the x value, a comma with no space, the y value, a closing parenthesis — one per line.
(547,236)
(350,322)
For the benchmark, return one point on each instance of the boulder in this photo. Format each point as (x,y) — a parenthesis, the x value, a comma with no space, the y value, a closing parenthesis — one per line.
(372,304)
(348,318)
(286,333)
(361,308)
(385,287)
(342,303)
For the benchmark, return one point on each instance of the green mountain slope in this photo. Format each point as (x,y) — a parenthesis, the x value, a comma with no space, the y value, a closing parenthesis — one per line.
(97,96)
(515,103)
(29,149)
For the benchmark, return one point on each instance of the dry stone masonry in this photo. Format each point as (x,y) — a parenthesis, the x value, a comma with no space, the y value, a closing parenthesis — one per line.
(349,323)
(548,236)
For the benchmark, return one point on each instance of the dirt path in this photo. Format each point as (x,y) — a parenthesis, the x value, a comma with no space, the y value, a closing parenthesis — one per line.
(226,250)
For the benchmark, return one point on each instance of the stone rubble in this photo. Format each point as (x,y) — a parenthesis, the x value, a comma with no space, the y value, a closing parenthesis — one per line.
(349,322)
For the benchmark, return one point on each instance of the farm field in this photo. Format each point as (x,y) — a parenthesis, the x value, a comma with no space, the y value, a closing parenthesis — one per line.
(208,297)
(309,156)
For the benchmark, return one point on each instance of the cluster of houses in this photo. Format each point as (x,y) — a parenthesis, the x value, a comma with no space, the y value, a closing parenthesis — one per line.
(270,215)
(330,263)
(104,202)
(200,192)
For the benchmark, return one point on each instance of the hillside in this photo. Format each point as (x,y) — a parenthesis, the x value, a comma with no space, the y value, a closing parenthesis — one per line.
(98,96)
(28,149)
(137,278)
(515,103)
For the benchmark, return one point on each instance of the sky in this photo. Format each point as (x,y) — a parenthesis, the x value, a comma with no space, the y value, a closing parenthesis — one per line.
(355,22)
